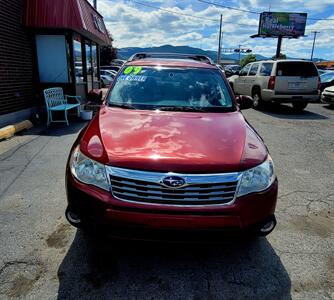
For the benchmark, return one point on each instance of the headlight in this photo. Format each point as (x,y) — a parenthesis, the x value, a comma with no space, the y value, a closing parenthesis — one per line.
(87,170)
(257,179)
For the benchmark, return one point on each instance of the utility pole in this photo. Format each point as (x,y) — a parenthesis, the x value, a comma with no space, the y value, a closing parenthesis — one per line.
(239,53)
(95,4)
(315,36)
(219,40)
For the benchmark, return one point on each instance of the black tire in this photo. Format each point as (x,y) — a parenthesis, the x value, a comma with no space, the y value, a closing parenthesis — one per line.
(257,99)
(299,106)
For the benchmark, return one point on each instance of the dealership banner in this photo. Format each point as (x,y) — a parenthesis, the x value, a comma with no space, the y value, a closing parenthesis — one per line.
(282,24)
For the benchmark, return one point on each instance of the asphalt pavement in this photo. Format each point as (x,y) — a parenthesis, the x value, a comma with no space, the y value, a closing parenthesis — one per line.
(43,257)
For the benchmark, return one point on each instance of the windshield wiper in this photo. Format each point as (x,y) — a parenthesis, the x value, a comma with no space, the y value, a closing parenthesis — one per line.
(181,108)
(122,105)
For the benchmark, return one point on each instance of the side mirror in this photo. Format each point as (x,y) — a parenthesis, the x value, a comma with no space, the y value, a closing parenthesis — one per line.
(236,73)
(244,102)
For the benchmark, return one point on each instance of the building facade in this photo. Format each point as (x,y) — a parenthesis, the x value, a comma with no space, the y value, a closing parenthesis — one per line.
(47,43)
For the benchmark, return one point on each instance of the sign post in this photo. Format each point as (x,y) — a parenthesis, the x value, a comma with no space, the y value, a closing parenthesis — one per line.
(279,46)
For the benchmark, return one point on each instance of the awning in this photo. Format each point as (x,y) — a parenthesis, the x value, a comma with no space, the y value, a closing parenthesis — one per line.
(77,15)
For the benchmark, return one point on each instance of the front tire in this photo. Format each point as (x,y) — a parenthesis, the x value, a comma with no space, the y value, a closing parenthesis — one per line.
(299,106)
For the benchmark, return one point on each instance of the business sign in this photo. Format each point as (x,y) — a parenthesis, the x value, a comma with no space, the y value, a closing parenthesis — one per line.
(282,24)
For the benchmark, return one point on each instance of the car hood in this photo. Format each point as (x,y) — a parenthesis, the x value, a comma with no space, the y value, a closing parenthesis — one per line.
(176,141)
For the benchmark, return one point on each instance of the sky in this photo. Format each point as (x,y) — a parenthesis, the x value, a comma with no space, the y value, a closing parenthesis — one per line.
(133,23)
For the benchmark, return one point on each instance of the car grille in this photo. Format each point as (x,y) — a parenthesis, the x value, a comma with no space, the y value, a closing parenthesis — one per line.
(199,193)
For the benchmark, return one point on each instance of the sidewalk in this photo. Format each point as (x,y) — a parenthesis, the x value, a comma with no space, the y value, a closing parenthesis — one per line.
(19,151)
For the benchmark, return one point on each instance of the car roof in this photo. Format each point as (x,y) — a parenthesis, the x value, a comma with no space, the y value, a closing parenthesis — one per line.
(167,62)
(283,60)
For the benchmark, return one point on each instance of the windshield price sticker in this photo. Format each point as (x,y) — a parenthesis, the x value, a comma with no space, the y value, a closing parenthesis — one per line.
(133,70)
(137,78)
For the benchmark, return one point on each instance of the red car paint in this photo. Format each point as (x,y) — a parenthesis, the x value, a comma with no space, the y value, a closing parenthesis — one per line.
(181,142)
(169,141)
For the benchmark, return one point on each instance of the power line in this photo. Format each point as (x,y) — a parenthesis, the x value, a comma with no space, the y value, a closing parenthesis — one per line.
(171,11)
(205,18)
(307,30)
(187,15)
(229,7)
(251,11)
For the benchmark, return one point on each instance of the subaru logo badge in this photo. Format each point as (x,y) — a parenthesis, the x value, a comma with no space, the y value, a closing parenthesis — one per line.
(173,182)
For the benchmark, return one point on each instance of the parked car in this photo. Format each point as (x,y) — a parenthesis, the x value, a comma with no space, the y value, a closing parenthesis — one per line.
(226,72)
(110,67)
(111,73)
(280,81)
(106,80)
(233,69)
(118,62)
(323,71)
(220,67)
(107,77)
(170,151)
(326,79)
(327,95)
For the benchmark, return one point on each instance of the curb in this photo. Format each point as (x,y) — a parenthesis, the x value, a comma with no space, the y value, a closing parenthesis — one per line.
(9,131)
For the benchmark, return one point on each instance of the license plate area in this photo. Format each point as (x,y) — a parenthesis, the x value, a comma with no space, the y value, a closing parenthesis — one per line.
(296,99)
(296,85)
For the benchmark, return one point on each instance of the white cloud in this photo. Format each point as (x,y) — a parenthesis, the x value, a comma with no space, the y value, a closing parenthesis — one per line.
(134,25)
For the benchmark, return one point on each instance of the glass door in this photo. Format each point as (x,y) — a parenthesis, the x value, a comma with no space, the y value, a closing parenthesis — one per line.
(89,66)
(96,84)
(79,78)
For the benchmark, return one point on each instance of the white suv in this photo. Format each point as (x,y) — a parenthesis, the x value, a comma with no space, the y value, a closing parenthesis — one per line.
(280,81)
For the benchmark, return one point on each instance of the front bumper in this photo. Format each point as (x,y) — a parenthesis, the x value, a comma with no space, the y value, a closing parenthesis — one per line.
(100,211)
(328,99)
(270,95)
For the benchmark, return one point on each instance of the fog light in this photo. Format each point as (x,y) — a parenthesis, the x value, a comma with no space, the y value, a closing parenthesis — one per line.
(72,217)
(268,227)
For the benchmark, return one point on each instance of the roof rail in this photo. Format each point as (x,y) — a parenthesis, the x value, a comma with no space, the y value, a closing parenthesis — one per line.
(197,57)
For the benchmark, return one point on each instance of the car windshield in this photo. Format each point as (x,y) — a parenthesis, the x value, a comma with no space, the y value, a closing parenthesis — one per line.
(327,77)
(190,89)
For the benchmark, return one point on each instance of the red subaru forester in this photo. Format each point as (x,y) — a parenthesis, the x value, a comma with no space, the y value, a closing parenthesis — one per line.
(170,152)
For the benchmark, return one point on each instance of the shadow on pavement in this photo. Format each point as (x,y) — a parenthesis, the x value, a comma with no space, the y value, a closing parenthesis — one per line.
(57,129)
(287,112)
(109,269)
(329,107)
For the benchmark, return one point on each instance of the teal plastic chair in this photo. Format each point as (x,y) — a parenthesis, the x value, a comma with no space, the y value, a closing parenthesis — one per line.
(56,101)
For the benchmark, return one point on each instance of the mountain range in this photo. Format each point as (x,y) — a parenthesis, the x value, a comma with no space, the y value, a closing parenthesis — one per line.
(125,53)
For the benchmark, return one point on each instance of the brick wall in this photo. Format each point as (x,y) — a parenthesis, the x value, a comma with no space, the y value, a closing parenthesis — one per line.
(16,59)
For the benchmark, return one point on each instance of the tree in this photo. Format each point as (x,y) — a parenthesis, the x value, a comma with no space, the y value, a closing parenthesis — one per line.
(107,53)
(247,59)
(281,56)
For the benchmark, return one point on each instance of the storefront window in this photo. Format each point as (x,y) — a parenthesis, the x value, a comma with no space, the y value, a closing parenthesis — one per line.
(78,61)
(89,66)
(52,58)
